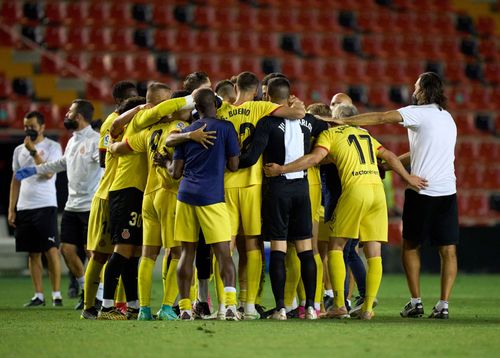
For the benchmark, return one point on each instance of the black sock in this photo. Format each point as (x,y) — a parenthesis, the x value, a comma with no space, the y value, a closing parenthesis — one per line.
(308,272)
(277,271)
(129,278)
(203,260)
(112,274)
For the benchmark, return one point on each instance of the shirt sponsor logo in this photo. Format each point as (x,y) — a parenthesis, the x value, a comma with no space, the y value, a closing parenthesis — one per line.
(52,239)
(106,140)
(364,172)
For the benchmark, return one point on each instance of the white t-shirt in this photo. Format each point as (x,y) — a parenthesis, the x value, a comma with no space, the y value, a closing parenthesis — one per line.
(432,134)
(36,191)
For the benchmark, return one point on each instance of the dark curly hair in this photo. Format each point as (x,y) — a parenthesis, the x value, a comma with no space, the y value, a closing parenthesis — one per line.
(432,90)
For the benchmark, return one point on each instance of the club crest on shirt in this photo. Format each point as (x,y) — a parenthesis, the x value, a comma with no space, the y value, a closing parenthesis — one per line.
(82,150)
(125,234)
(106,140)
(180,125)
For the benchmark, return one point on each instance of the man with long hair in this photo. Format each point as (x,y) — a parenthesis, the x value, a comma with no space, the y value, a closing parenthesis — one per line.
(429,214)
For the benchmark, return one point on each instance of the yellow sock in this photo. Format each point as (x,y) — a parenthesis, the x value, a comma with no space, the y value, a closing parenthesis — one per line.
(318,296)
(230,297)
(120,296)
(373,278)
(170,288)
(219,284)
(242,296)
(92,274)
(185,304)
(145,280)
(336,266)
(101,277)
(254,271)
(292,264)
(258,300)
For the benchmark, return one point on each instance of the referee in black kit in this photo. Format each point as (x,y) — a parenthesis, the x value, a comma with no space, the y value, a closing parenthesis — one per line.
(286,206)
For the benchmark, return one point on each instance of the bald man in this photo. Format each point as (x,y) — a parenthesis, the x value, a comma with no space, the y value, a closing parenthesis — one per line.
(340,98)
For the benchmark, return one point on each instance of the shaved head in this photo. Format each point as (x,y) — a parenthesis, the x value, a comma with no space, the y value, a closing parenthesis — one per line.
(340,98)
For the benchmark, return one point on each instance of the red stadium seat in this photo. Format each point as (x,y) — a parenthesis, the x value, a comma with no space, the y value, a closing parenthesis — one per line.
(226,42)
(331,46)
(492,73)
(119,66)
(378,96)
(54,37)
(5,87)
(367,21)
(311,45)
(210,65)
(98,13)
(10,12)
(391,47)
(467,152)
(491,177)
(225,18)
(312,70)
(143,67)
(455,72)
(98,66)
(76,13)
(244,19)
(122,39)
(485,25)
(204,16)
(412,47)
(375,71)
(229,66)
(55,12)
(205,41)
(470,177)
(465,124)
(372,46)
(450,48)
(251,64)
(327,20)
(185,41)
(355,71)
(489,48)
(120,14)
(489,152)
(164,39)
(309,21)
(97,92)
(186,65)
(292,68)
(248,42)
(266,20)
(334,70)
(163,15)
(268,45)
(49,65)
(99,39)
(77,38)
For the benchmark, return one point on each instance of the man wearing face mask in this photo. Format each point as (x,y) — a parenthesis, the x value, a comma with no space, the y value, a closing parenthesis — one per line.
(81,162)
(33,208)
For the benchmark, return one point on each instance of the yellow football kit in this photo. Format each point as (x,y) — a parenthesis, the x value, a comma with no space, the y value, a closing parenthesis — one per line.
(361,211)
(98,235)
(314,180)
(158,207)
(243,187)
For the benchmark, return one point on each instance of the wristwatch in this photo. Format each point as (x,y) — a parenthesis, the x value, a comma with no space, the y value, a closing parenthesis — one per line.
(32,152)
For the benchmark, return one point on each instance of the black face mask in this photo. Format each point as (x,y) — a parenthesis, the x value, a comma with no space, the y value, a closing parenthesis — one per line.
(33,134)
(70,124)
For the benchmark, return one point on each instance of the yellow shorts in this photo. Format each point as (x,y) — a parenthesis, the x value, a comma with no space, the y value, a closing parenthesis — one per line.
(98,234)
(244,206)
(158,216)
(361,213)
(315,196)
(212,219)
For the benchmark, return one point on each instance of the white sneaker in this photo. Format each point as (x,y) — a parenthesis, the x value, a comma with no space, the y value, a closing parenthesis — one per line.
(311,313)
(221,315)
(279,315)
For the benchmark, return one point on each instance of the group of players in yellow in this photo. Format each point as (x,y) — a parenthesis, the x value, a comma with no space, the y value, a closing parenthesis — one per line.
(135,211)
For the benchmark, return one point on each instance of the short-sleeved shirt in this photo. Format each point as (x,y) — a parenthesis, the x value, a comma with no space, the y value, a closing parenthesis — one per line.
(432,134)
(245,118)
(269,139)
(36,191)
(132,169)
(203,177)
(151,141)
(354,152)
(111,161)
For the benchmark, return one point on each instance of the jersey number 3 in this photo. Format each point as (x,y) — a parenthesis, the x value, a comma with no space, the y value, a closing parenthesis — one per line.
(353,139)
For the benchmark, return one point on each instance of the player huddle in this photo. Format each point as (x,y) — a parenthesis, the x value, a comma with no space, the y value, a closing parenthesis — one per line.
(202,174)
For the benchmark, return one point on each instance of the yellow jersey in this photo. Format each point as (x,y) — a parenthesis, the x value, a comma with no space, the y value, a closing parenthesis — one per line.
(132,169)
(354,152)
(150,141)
(244,118)
(111,161)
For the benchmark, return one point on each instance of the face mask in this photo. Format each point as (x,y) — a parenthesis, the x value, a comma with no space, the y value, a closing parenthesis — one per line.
(70,124)
(33,134)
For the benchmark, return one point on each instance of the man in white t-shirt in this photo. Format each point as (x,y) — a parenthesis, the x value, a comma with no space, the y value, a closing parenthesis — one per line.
(430,214)
(81,162)
(33,208)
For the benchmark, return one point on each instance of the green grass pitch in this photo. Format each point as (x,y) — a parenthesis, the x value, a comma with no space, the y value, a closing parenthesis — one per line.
(472,330)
